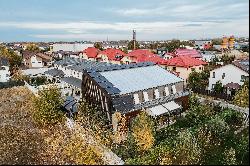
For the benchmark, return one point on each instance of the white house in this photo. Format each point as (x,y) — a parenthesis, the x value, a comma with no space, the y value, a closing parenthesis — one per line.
(4,74)
(236,73)
(74,47)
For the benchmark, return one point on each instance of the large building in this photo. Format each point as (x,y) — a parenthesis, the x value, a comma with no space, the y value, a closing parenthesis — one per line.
(74,47)
(132,88)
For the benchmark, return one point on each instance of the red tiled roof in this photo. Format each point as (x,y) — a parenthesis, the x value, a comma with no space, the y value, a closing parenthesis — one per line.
(184,61)
(187,52)
(91,52)
(112,53)
(146,56)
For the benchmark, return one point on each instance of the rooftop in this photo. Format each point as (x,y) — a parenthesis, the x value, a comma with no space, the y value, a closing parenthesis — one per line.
(137,79)
(185,61)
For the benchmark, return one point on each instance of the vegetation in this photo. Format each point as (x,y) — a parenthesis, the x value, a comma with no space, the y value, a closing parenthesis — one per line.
(206,135)
(217,41)
(174,44)
(14,60)
(47,106)
(198,80)
(32,47)
(242,96)
(218,87)
(131,45)
(98,45)
(24,141)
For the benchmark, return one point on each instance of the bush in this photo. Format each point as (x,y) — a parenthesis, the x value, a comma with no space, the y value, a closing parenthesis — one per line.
(48,106)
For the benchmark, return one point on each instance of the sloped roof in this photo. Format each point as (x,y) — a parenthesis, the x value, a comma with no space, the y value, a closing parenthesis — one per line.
(184,61)
(187,52)
(113,53)
(232,85)
(242,64)
(140,78)
(72,81)
(146,56)
(91,52)
(55,72)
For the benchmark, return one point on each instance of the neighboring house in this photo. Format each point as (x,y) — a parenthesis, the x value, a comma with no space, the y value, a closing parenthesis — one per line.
(203,44)
(193,53)
(132,88)
(230,75)
(184,65)
(207,56)
(35,72)
(36,59)
(4,70)
(161,51)
(89,53)
(110,55)
(167,56)
(140,55)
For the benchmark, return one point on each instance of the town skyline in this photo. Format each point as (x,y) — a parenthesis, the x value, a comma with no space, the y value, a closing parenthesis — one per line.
(97,20)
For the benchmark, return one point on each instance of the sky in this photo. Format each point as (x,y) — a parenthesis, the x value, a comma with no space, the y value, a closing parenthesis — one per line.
(98,20)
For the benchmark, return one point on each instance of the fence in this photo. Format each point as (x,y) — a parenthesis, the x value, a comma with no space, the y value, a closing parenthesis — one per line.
(11,84)
(213,94)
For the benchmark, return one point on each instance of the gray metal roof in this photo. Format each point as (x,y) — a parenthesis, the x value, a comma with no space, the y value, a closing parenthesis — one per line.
(140,78)
(55,72)
(72,81)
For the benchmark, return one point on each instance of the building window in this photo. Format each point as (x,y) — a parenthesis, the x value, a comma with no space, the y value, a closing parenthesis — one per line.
(200,68)
(174,68)
(166,91)
(213,86)
(145,96)
(193,69)
(213,74)
(243,78)
(136,98)
(173,89)
(223,75)
(156,94)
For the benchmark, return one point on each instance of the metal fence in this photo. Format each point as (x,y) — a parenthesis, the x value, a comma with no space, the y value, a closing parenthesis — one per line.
(213,94)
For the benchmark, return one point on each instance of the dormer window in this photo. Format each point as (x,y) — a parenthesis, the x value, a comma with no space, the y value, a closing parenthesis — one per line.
(145,96)
(166,91)
(156,94)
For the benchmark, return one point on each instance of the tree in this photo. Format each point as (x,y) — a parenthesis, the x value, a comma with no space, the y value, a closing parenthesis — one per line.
(226,59)
(217,41)
(218,88)
(193,80)
(48,106)
(98,45)
(229,157)
(242,97)
(32,47)
(143,131)
(131,45)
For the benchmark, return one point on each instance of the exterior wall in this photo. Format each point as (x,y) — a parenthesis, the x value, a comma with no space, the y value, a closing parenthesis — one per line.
(36,62)
(184,72)
(126,60)
(83,56)
(232,74)
(104,58)
(70,47)
(4,74)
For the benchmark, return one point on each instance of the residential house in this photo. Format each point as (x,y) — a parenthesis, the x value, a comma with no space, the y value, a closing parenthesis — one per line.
(184,65)
(203,44)
(187,52)
(4,70)
(141,55)
(132,88)
(110,55)
(207,56)
(89,53)
(36,59)
(73,47)
(232,76)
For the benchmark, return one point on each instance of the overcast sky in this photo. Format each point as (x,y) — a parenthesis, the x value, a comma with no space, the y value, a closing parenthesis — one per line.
(70,20)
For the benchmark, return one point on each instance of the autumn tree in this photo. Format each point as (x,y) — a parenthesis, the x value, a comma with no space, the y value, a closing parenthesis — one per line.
(48,106)
(143,131)
(242,97)
(32,47)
